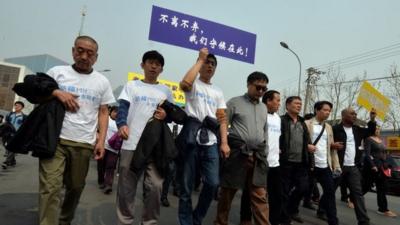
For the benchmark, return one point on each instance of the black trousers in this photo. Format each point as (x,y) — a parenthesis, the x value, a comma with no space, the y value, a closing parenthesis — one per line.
(294,185)
(328,201)
(352,177)
(275,195)
(380,180)
(312,192)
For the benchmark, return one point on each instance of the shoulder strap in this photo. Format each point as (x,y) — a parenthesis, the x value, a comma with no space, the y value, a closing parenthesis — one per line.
(320,135)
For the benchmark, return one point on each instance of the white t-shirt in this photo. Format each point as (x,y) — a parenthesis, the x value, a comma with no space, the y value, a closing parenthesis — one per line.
(204,100)
(274,132)
(93,90)
(321,157)
(144,99)
(112,129)
(350,152)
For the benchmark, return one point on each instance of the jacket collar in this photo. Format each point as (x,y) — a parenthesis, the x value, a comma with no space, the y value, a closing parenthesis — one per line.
(299,118)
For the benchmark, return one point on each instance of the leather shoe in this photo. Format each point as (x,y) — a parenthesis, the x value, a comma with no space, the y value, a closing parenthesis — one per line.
(165,202)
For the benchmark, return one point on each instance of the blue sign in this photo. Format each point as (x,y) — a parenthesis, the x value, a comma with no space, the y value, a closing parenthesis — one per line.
(191,32)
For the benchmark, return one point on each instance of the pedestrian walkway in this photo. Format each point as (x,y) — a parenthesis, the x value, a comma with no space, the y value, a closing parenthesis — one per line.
(19,200)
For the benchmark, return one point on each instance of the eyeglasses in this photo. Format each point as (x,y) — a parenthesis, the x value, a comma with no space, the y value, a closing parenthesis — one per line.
(260,88)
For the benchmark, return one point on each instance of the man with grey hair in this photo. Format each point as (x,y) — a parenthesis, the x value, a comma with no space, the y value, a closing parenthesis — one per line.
(85,94)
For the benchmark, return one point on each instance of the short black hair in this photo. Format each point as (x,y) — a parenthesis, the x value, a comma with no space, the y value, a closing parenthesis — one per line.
(318,105)
(85,37)
(309,116)
(20,103)
(257,76)
(153,55)
(290,99)
(269,95)
(212,56)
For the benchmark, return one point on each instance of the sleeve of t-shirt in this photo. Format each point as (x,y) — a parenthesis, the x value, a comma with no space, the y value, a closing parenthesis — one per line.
(108,96)
(189,94)
(221,101)
(126,93)
(169,97)
(51,72)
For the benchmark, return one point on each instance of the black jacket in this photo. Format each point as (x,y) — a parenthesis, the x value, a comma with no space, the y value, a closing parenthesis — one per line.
(284,140)
(41,130)
(359,134)
(157,142)
(186,139)
(234,169)
(7,131)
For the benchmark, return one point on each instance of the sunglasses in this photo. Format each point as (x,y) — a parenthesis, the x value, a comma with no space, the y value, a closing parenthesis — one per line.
(260,88)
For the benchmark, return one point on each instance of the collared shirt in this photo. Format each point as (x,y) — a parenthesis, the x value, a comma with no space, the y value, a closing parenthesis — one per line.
(321,158)
(248,120)
(295,153)
(274,132)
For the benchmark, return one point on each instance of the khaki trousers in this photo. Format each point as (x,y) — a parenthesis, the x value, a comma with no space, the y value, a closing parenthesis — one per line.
(69,166)
(127,187)
(258,200)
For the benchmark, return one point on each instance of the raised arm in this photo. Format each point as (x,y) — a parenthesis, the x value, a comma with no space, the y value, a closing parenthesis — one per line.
(187,81)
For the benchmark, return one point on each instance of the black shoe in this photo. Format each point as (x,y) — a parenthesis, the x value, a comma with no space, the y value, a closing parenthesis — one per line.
(297,218)
(4,166)
(322,216)
(165,202)
(175,193)
(107,190)
(309,205)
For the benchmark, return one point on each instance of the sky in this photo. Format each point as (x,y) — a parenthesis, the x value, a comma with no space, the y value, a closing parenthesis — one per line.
(318,31)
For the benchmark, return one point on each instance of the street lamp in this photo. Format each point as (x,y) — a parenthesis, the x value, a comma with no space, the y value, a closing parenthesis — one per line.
(283,44)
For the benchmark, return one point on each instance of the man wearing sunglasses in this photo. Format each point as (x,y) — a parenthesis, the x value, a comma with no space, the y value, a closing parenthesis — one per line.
(246,166)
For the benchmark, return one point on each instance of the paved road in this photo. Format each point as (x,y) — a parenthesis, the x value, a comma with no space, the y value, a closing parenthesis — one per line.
(19,200)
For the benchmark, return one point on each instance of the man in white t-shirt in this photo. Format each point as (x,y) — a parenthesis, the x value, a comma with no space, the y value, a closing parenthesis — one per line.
(86,94)
(325,159)
(351,159)
(138,103)
(203,101)
(272,100)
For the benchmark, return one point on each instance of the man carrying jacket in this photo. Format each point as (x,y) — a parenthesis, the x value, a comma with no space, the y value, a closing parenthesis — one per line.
(247,164)
(85,94)
(200,149)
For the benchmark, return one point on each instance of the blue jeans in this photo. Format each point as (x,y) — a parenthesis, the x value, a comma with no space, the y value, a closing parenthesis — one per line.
(206,159)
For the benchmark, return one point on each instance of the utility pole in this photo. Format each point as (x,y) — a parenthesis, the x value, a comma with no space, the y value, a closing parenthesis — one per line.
(312,77)
(83,14)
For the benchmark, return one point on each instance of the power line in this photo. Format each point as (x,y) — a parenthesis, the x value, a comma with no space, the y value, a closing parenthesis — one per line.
(362,56)
(357,81)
